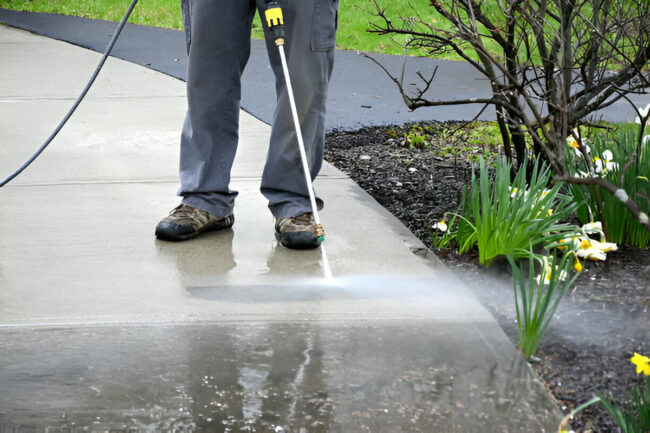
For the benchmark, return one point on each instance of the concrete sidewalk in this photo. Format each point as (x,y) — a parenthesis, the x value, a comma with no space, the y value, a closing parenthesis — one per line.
(103,327)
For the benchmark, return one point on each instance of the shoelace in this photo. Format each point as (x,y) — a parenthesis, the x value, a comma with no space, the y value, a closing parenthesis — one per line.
(304,219)
(182,211)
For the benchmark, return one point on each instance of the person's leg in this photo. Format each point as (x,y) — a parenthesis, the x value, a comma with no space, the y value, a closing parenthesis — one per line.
(218,43)
(218,46)
(310,28)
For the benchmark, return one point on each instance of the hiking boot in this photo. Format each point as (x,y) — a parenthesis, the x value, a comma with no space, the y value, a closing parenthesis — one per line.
(297,232)
(187,222)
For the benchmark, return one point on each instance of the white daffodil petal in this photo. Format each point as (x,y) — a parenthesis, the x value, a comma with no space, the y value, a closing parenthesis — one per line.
(593,227)
(591,254)
(608,155)
(598,165)
(442,226)
(643,112)
(604,246)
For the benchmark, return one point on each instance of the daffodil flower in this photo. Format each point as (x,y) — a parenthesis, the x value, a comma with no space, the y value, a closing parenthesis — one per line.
(591,253)
(604,246)
(598,165)
(642,364)
(577,265)
(608,157)
(562,241)
(643,112)
(575,144)
(548,272)
(594,228)
(441,226)
(572,142)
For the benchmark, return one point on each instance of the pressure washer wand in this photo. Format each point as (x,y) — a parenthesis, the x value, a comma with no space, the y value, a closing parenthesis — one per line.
(275,22)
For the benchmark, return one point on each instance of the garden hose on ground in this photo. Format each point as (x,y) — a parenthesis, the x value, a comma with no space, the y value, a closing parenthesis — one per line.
(120,26)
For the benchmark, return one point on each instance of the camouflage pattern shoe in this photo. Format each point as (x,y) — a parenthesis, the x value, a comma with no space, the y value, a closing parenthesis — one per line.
(298,232)
(187,222)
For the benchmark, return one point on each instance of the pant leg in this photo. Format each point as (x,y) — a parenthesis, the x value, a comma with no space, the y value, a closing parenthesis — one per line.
(310,28)
(218,37)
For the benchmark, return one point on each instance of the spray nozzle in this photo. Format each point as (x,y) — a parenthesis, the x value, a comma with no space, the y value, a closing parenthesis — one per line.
(275,21)
(320,233)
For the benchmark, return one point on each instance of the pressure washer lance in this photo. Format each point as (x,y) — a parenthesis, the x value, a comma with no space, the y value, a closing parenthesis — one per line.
(275,22)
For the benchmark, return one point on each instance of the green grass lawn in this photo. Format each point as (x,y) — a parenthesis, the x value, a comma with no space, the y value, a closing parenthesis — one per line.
(354,17)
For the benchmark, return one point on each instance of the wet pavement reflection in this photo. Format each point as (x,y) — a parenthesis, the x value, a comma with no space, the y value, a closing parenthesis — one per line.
(274,377)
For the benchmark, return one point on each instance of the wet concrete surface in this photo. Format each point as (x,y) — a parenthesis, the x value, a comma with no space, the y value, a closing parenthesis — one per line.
(105,328)
(306,377)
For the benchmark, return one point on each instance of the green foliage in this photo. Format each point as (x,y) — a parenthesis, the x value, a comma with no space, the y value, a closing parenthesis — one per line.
(158,13)
(620,225)
(417,136)
(354,18)
(506,218)
(632,415)
(537,298)
(484,134)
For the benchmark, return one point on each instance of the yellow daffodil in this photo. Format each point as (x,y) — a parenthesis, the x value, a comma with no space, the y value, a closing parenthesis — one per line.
(592,249)
(642,364)
(577,265)
(571,141)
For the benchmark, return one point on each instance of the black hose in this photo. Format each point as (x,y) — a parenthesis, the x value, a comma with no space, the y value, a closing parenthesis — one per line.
(120,26)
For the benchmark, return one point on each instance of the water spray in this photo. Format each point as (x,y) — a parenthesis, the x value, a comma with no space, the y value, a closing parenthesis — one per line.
(275,22)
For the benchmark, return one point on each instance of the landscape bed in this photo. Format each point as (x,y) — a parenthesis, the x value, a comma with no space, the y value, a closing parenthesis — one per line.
(602,321)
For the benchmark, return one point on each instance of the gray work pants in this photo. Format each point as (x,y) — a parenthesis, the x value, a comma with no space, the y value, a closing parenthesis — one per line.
(218,39)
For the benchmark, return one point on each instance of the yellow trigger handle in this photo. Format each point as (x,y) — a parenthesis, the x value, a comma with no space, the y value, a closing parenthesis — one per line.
(274,17)
(275,21)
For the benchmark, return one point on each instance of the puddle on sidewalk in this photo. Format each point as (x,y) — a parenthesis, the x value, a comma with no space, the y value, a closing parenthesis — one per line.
(273,377)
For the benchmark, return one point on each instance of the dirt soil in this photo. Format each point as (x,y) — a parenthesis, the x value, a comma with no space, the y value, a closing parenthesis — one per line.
(601,322)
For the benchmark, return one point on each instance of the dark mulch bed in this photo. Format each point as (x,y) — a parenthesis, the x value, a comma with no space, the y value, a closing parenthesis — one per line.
(601,322)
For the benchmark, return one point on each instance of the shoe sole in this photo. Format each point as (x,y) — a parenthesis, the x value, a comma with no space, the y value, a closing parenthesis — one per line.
(298,240)
(226,223)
